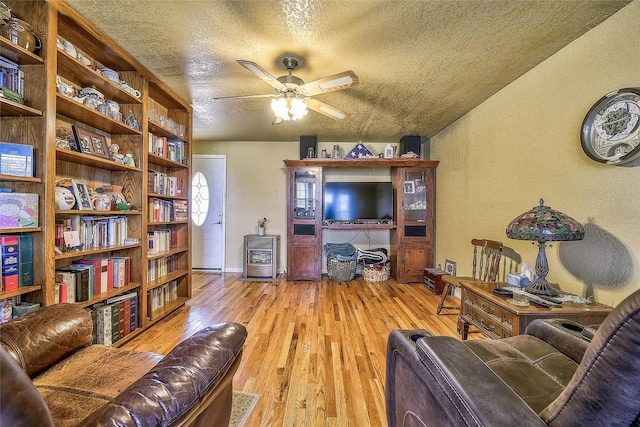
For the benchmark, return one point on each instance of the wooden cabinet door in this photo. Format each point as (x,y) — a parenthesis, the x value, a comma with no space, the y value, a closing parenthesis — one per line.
(304,262)
(412,260)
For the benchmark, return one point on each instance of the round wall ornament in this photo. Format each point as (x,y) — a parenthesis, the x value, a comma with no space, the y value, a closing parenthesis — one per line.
(611,129)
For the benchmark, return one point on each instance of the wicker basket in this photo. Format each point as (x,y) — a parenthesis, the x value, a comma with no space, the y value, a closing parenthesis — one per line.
(341,271)
(372,274)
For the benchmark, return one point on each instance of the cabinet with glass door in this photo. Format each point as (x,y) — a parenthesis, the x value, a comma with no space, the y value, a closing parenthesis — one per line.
(304,223)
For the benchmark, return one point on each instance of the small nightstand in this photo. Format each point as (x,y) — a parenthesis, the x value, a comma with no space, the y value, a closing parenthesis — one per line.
(433,280)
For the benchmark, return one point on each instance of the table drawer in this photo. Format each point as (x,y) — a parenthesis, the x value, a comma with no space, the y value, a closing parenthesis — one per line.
(487,307)
(487,324)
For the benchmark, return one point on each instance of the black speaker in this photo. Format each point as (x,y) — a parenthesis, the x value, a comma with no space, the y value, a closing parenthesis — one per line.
(411,143)
(306,142)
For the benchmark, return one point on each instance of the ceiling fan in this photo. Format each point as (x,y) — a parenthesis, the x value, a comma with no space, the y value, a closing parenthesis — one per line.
(293,96)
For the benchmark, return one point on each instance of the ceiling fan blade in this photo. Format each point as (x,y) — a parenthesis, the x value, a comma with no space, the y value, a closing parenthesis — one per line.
(327,110)
(263,74)
(270,95)
(329,84)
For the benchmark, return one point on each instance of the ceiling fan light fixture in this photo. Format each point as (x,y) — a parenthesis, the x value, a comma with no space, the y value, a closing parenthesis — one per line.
(288,108)
(280,108)
(298,109)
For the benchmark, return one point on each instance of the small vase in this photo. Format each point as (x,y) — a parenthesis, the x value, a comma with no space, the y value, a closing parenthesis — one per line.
(260,231)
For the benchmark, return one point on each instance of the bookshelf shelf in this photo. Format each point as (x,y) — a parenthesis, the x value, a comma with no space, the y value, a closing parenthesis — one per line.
(110,294)
(168,308)
(4,177)
(93,161)
(20,291)
(154,159)
(77,111)
(166,279)
(79,254)
(20,230)
(164,196)
(13,109)
(18,54)
(167,253)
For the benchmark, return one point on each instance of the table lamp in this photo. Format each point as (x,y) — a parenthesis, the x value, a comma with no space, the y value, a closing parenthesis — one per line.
(543,224)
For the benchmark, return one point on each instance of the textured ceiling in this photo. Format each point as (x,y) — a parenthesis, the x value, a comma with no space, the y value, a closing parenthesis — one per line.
(421,64)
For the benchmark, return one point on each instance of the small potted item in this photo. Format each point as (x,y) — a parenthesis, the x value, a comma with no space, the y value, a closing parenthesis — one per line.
(261,223)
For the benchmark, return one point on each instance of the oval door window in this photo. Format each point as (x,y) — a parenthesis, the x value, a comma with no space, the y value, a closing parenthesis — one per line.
(199,198)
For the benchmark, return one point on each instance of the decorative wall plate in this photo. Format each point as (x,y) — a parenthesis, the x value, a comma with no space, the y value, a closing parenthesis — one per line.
(611,128)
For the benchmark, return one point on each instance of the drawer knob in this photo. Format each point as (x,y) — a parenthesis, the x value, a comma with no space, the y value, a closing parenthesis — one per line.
(489,328)
(486,309)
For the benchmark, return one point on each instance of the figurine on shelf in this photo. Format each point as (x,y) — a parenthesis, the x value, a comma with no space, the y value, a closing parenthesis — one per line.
(131,121)
(128,160)
(113,153)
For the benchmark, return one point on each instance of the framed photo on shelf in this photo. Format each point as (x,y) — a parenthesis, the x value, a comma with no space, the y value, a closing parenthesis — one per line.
(92,143)
(450,267)
(81,191)
(409,187)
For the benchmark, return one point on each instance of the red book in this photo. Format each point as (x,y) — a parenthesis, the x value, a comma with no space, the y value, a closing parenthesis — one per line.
(109,274)
(10,265)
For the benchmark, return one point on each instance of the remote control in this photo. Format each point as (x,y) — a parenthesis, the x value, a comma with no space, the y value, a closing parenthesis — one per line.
(540,301)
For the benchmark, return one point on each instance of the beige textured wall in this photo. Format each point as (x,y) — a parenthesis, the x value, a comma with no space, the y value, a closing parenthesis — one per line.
(524,143)
(256,187)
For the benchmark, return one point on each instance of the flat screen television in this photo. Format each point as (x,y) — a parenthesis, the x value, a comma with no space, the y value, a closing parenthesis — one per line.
(358,201)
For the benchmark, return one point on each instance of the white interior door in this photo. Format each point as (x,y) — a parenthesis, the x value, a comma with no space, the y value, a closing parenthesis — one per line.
(208,188)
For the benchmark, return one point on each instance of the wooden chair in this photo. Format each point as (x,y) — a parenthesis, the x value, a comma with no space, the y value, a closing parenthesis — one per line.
(486,261)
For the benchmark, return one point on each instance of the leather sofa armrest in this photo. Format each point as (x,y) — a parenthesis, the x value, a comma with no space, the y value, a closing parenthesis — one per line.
(181,381)
(39,340)
(440,381)
(568,337)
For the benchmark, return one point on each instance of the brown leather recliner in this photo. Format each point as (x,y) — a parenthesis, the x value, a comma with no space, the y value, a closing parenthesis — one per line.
(558,373)
(51,375)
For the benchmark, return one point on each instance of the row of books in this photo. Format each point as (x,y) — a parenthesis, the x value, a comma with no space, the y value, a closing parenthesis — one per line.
(161,146)
(88,277)
(160,241)
(16,253)
(114,319)
(167,210)
(161,267)
(161,183)
(160,296)
(11,308)
(11,80)
(90,232)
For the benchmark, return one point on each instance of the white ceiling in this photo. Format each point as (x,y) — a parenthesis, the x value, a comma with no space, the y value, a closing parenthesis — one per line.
(422,64)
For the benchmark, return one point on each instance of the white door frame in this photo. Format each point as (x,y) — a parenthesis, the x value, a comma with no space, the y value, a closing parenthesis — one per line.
(223,201)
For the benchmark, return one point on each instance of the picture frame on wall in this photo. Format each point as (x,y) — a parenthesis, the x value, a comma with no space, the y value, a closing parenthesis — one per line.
(81,191)
(450,267)
(92,143)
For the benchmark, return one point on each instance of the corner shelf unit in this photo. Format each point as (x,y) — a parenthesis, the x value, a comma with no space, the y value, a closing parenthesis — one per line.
(45,109)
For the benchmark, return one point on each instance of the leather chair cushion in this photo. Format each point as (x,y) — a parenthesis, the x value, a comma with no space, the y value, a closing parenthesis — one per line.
(40,339)
(536,371)
(89,379)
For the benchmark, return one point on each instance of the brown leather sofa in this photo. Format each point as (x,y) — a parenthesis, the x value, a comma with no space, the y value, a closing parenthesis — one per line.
(51,375)
(558,373)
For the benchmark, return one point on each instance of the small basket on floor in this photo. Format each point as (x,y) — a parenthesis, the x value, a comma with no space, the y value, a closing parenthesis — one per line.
(375,273)
(341,270)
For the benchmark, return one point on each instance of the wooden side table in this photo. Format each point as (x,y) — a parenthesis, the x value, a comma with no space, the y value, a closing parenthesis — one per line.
(496,318)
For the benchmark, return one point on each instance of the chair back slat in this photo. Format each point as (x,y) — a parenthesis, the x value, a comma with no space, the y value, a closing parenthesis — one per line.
(487,262)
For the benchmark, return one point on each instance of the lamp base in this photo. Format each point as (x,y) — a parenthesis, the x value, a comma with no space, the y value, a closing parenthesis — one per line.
(541,287)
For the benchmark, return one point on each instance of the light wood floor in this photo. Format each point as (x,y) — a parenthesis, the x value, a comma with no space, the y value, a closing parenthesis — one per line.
(315,351)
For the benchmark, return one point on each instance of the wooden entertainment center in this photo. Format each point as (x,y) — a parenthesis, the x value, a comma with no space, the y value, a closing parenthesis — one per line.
(412,230)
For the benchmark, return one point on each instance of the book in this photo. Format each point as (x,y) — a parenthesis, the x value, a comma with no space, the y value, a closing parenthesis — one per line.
(25,260)
(68,277)
(10,266)
(84,280)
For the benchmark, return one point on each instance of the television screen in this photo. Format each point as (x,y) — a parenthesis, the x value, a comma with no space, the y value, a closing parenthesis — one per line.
(358,201)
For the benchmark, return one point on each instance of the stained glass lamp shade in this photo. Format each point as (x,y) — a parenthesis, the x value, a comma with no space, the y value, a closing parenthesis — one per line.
(542,224)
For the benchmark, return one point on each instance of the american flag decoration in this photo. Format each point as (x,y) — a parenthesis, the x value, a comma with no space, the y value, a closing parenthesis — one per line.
(359,152)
